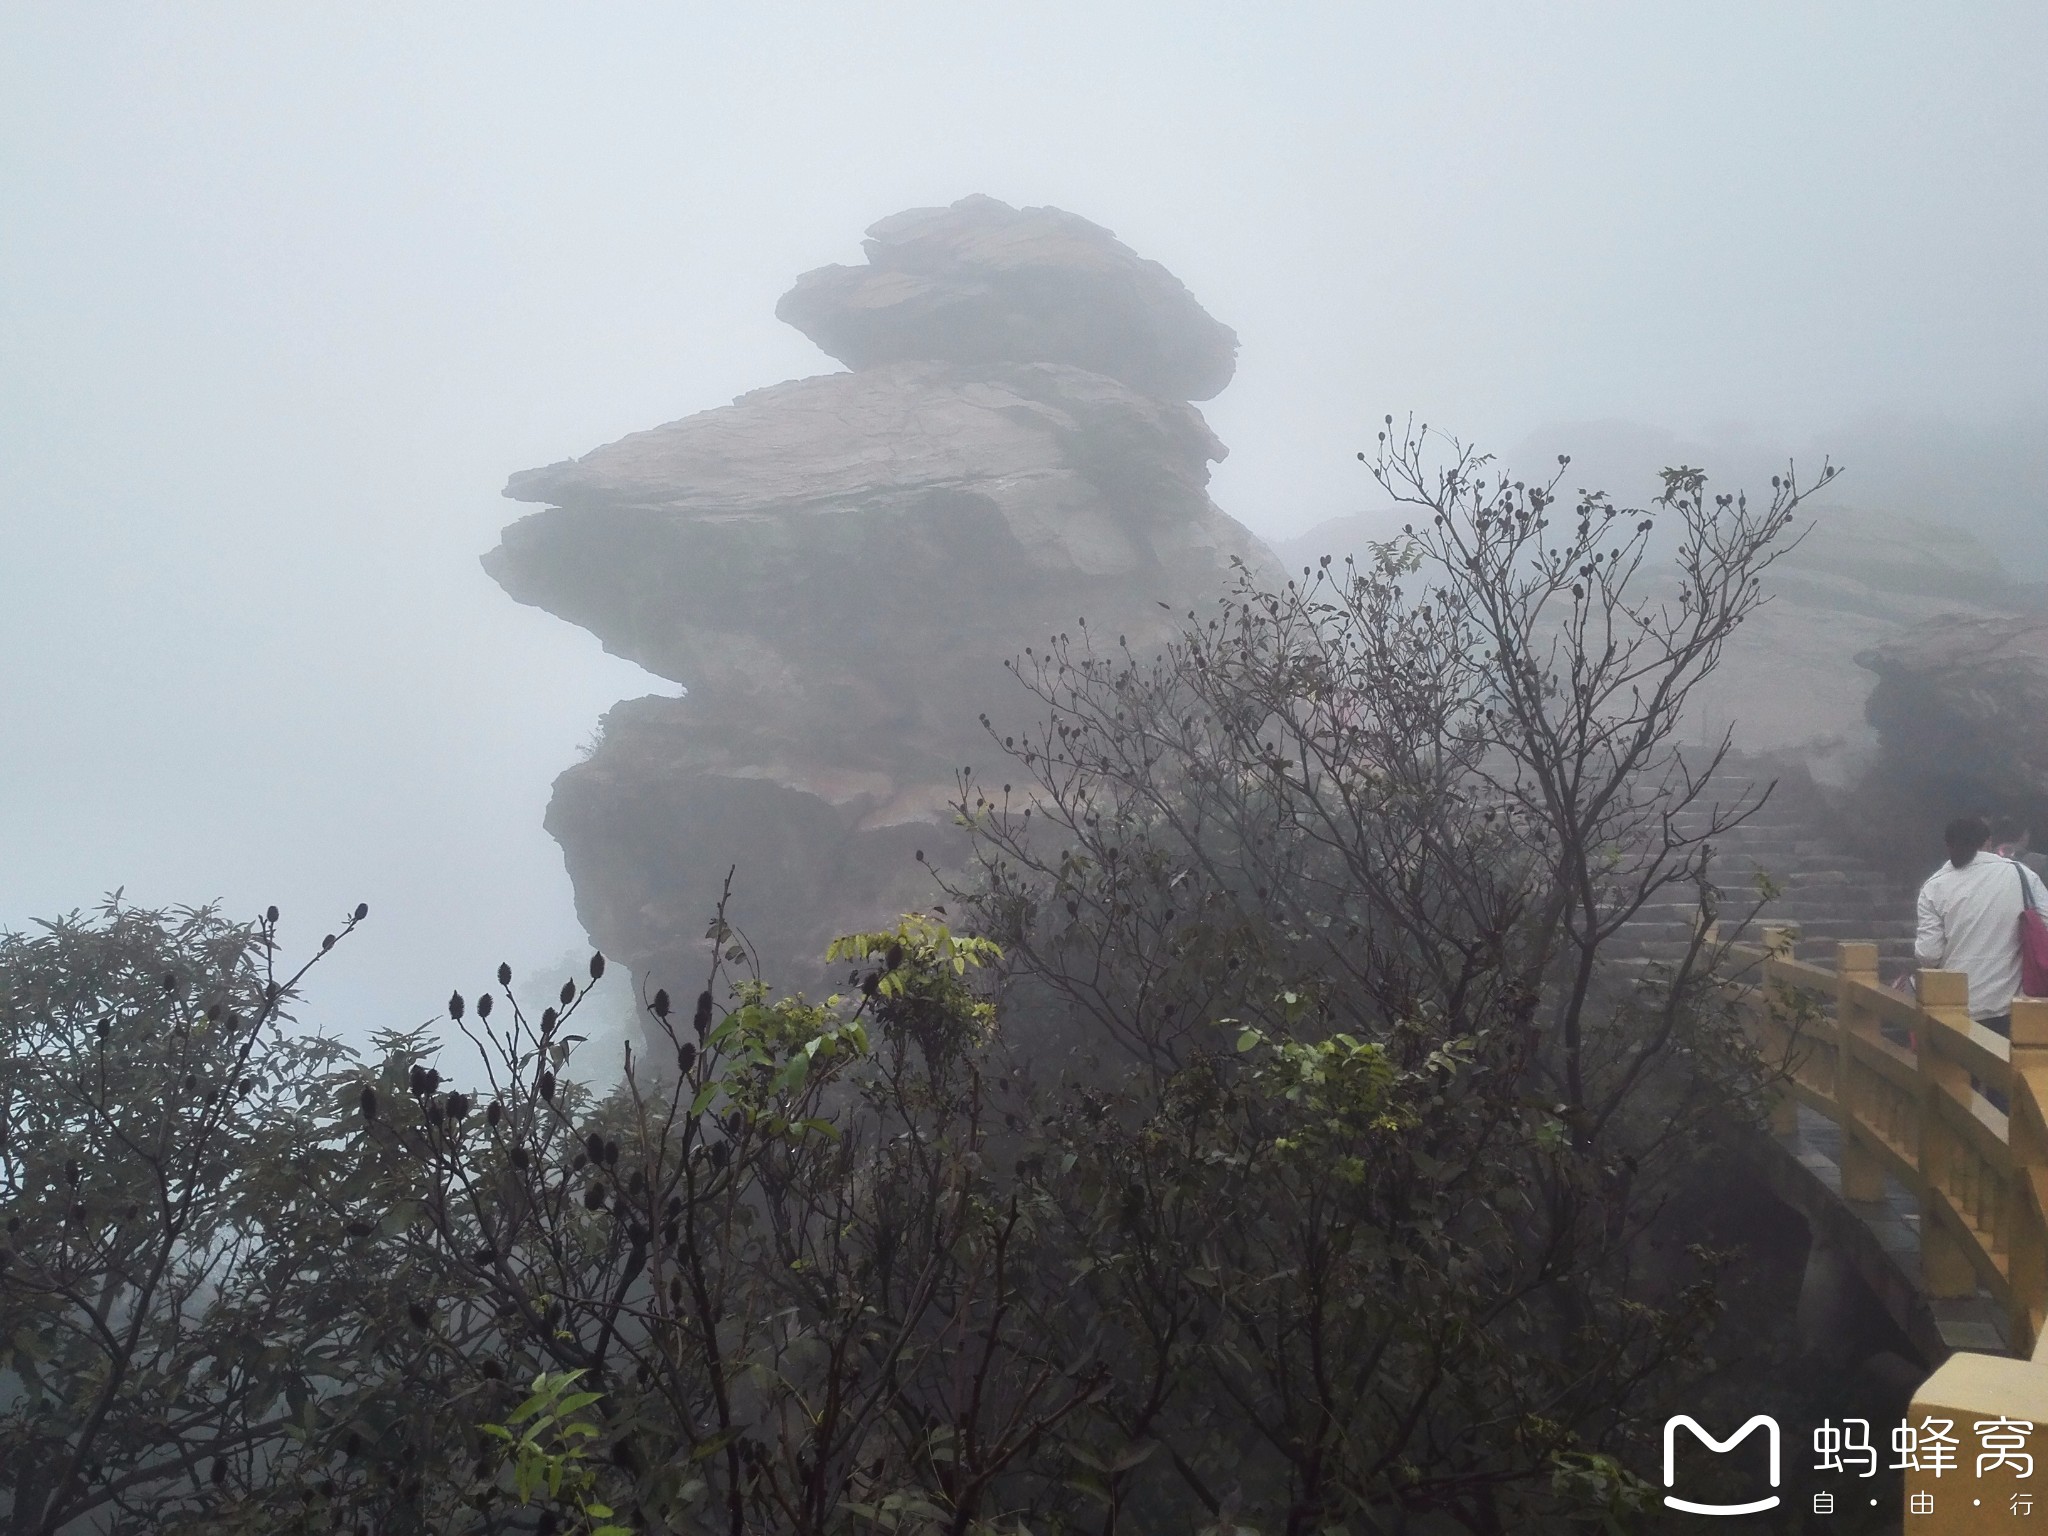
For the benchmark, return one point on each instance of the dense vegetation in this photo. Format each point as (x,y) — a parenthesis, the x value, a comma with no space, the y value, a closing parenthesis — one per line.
(1269,1149)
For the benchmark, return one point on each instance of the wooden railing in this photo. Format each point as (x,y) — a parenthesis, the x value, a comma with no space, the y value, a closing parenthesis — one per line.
(1895,1074)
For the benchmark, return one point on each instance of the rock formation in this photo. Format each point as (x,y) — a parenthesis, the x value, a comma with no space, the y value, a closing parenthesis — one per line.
(836,568)
(1961,712)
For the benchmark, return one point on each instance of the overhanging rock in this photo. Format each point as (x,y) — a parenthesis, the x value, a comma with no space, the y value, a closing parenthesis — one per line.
(836,569)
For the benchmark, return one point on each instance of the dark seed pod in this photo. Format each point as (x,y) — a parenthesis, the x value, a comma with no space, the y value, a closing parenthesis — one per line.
(328,942)
(893,958)
(611,1154)
(416,1314)
(454,1005)
(519,1157)
(547,1086)
(593,1147)
(493,1370)
(675,1293)
(636,1234)
(661,1003)
(433,1080)
(547,1018)
(484,1258)
(270,914)
(71,1171)
(362,910)
(701,1021)
(417,1081)
(579,1162)
(361,1228)
(170,982)
(494,1114)
(721,1154)
(597,967)
(353,1445)
(638,1185)
(483,1006)
(675,1206)
(593,1197)
(504,974)
(458,1106)
(686,1056)
(568,993)
(553,1315)
(219,1474)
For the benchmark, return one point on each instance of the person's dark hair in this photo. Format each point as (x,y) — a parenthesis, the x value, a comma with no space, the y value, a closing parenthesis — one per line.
(1966,837)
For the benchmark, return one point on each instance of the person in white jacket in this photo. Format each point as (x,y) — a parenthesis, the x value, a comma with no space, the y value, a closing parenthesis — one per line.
(1970,920)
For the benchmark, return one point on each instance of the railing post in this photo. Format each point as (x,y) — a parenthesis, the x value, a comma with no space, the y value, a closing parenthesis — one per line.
(1778,944)
(1945,1267)
(1862,1172)
(2027,1135)
(1979,1491)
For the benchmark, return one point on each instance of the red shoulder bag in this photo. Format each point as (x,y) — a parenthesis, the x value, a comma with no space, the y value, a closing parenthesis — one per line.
(2033,940)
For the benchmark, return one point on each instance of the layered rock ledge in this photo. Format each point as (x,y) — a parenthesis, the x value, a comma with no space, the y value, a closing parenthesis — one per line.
(836,569)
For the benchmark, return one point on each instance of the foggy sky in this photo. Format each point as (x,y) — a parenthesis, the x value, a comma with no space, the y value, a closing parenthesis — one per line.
(286,293)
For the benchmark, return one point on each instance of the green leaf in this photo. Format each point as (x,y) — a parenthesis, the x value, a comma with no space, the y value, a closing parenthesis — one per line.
(1134,1455)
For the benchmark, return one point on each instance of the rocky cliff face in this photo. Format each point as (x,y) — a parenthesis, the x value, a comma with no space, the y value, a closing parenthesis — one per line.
(1961,710)
(836,569)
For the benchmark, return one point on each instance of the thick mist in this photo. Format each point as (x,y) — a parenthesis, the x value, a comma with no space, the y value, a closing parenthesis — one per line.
(286,295)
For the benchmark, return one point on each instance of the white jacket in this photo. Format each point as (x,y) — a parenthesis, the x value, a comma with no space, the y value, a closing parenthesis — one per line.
(1970,922)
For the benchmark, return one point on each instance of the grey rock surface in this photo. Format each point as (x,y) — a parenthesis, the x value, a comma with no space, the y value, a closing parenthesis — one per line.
(836,569)
(982,282)
(1961,704)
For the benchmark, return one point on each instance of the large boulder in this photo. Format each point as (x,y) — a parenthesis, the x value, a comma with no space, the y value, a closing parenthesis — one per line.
(1961,712)
(836,570)
(982,282)
(837,567)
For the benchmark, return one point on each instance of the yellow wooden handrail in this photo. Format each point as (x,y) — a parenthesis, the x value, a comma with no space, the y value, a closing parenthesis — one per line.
(1907,1108)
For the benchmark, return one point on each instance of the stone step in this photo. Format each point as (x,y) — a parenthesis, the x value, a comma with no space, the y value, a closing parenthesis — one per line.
(1826,895)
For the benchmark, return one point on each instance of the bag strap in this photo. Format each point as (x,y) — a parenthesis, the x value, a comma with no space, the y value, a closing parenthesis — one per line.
(2026,885)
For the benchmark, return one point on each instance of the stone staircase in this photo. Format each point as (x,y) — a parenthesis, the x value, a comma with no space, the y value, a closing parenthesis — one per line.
(1824,892)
